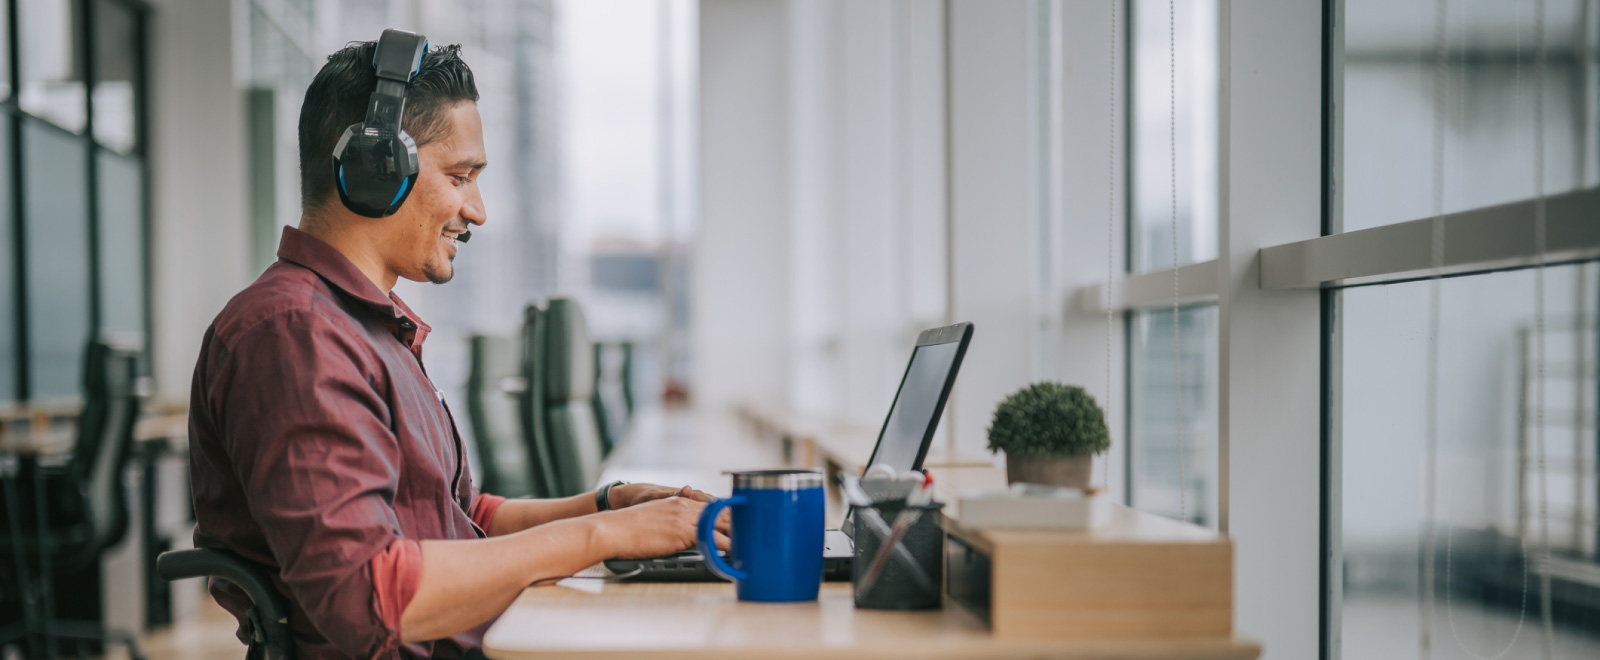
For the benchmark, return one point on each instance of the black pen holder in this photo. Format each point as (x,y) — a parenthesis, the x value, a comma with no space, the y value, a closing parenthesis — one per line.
(908,579)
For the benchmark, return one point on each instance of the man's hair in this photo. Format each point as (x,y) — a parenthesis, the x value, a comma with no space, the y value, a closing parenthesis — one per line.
(338,97)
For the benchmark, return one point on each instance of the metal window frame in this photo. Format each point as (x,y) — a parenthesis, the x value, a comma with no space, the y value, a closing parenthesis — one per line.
(1476,241)
(12,119)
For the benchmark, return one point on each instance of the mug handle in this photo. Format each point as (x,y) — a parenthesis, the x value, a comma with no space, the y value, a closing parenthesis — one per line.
(705,539)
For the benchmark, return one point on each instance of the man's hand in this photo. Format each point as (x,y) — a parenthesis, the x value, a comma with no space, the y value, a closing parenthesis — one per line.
(627,495)
(653,529)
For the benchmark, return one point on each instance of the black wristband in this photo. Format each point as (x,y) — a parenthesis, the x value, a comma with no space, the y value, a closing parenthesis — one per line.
(602,497)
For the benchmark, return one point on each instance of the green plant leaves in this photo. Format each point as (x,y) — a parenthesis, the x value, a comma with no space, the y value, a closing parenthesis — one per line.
(1049,419)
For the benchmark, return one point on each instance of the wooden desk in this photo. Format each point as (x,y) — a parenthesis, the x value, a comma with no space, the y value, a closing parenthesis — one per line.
(49,441)
(706,622)
(701,621)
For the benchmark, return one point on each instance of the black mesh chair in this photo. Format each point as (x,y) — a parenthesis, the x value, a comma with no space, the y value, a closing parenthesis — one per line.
(568,375)
(604,409)
(84,506)
(267,620)
(494,379)
(531,403)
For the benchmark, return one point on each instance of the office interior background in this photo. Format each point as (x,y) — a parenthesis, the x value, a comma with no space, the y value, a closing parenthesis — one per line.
(1167,203)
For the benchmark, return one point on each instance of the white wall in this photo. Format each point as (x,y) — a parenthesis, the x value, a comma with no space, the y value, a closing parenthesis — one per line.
(863,230)
(740,260)
(993,164)
(200,231)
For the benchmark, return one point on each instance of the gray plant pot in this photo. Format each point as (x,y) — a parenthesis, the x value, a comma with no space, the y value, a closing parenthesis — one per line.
(1066,472)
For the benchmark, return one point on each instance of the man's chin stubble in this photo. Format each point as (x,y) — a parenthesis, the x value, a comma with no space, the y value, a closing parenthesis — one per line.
(434,275)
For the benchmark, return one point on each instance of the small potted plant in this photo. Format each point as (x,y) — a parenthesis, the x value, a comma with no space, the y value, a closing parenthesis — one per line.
(1050,433)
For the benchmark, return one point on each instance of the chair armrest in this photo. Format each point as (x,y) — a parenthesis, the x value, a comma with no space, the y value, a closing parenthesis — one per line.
(271,608)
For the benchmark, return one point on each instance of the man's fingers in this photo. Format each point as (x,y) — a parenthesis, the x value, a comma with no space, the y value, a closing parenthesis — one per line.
(696,495)
(723,542)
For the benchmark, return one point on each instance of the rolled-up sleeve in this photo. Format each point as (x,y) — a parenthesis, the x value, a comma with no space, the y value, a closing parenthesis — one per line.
(483,508)
(313,447)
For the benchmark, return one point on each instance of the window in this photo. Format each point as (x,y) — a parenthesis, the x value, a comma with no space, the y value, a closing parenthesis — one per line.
(5,49)
(1172,115)
(116,75)
(1487,488)
(121,249)
(56,223)
(1490,78)
(52,62)
(74,229)
(1500,409)
(9,351)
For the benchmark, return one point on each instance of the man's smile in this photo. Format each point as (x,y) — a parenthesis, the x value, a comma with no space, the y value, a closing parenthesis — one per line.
(454,237)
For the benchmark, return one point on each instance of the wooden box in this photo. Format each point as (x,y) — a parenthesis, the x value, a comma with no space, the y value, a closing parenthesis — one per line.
(1141,577)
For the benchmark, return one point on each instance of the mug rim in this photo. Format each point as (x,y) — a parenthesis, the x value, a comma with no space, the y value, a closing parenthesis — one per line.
(781,479)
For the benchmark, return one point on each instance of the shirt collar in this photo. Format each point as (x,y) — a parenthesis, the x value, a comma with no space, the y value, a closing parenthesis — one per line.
(330,264)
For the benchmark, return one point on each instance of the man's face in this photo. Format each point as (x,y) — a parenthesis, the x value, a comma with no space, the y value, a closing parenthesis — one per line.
(421,240)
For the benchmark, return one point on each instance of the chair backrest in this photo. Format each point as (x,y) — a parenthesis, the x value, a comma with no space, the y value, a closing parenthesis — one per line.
(531,404)
(613,407)
(105,438)
(568,390)
(493,380)
(604,421)
(627,378)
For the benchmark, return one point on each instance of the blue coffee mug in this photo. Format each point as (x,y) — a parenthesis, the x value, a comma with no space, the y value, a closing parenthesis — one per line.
(777,535)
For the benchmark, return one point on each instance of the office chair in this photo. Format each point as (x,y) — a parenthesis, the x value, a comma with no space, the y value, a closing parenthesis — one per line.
(85,500)
(267,620)
(494,378)
(531,403)
(603,419)
(627,379)
(573,435)
(613,399)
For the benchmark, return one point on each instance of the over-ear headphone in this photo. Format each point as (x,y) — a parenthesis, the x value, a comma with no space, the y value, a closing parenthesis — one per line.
(375,162)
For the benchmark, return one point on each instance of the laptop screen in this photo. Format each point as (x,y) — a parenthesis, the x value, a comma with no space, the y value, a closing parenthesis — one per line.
(913,419)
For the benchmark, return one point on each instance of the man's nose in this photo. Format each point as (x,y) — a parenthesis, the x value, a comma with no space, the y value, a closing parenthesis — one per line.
(473,210)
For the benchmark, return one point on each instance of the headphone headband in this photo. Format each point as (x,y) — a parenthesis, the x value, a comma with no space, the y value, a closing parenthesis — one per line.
(375,162)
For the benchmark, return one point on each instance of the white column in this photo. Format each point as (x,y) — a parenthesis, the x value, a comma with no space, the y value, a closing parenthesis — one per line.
(740,257)
(992,164)
(1269,450)
(198,180)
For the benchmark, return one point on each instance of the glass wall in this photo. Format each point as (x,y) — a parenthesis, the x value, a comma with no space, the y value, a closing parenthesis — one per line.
(10,350)
(1159,420)
(121,235)
(1455,532)
(1173,117)
(73,252)
(1172,186)
(55,214)
(1490,77)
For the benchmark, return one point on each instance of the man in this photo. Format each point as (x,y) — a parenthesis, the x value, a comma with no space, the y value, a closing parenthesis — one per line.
(320,448)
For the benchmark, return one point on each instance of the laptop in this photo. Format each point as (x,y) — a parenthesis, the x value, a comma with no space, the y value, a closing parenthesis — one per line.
(902,445)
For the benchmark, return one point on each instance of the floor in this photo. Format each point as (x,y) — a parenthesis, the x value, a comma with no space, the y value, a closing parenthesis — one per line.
(1385,626)
(206,634)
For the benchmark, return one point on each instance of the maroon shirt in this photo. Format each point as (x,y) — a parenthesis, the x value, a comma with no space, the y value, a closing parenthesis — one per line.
(319,448)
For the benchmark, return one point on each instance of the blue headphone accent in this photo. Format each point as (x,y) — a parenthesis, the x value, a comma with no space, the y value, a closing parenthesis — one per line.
(405,184)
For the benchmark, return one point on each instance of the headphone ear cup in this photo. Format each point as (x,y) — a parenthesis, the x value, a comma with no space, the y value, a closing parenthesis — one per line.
(374,174)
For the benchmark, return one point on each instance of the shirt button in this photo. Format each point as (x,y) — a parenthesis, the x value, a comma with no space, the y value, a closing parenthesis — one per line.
(407,325)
